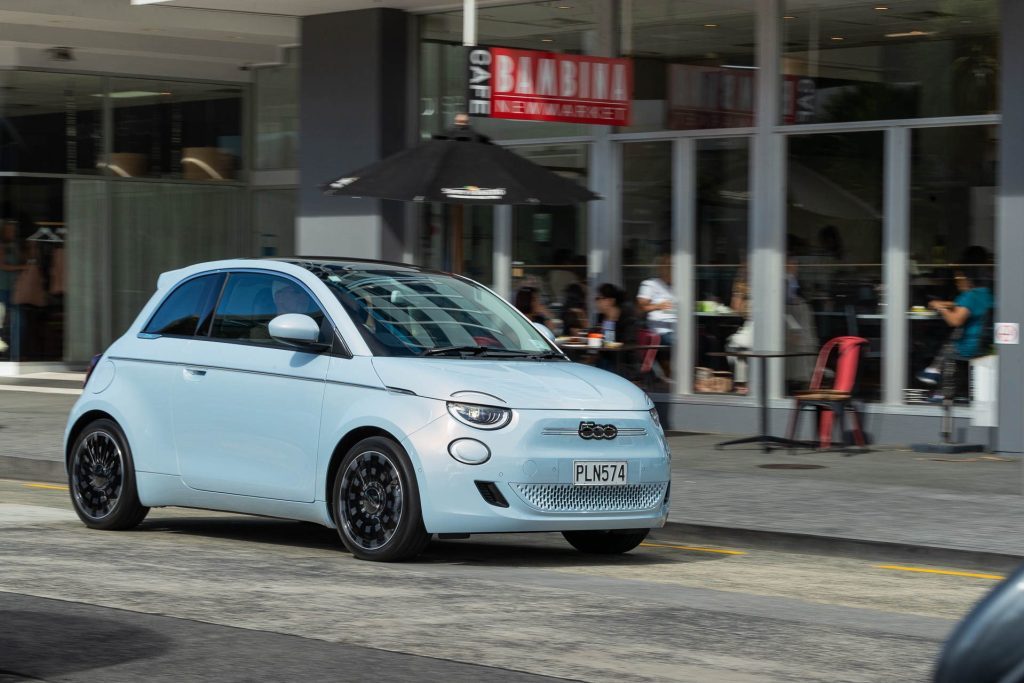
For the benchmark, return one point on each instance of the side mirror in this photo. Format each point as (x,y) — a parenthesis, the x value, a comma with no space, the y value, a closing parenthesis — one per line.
(296,329)
(545,330)
(986,646)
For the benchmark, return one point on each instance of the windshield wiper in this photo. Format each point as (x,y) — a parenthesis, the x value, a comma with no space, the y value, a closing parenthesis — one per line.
(489,351)
(475,350)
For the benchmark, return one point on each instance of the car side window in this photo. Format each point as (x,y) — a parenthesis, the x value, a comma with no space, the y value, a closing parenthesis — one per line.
(251,300)
(187,308)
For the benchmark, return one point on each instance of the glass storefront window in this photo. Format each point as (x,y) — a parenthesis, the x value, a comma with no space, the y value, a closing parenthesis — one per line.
(647,246)
(273,220)
(32,269)
(156,227)
(722,283)
(693,63)
(549,249)
(952,245)
(834,250)
(862,61)
(458,239)
(52,123)
(555,27)
(175,129)
(276,95)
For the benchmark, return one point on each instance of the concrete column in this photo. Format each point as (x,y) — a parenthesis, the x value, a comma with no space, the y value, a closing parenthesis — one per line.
(357,78)
(1010,225)
(767,193)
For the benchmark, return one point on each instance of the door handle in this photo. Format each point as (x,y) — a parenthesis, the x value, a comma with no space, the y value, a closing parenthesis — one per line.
(194,373)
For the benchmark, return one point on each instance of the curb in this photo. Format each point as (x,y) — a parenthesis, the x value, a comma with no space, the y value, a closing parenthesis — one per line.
(32,469)
(856,548)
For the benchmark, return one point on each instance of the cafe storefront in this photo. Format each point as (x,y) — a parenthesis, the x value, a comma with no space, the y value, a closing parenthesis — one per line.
(836,160)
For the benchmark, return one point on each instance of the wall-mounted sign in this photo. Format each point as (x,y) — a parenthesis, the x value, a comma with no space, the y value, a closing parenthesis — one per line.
(546,86)
(1007,333)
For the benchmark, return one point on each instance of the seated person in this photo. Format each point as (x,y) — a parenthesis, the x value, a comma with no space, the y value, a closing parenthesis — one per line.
(966,315)
(612,308)
(656,300)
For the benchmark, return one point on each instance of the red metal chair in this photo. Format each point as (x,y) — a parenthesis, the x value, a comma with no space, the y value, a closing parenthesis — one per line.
(835,400)
(649,368)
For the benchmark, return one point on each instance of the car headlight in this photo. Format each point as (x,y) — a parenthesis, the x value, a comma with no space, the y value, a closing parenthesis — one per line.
(657,420)
(480,417)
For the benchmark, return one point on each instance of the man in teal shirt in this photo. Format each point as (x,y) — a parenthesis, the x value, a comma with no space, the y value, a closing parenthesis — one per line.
(967,314)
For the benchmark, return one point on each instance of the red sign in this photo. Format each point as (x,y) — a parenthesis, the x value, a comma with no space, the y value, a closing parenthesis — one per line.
(546,86)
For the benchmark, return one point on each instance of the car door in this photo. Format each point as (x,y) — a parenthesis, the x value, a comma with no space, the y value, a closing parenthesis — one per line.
(149,362)
(246,407)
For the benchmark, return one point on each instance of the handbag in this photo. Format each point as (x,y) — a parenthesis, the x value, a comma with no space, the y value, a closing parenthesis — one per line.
(28,288)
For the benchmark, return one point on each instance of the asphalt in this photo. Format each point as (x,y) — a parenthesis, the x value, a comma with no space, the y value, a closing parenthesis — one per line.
(889,497)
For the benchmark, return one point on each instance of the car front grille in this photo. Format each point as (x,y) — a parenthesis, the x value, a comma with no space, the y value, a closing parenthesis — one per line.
(569,498)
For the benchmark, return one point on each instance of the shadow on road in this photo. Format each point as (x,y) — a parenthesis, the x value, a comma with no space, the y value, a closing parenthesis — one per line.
(498,550)
(49,643)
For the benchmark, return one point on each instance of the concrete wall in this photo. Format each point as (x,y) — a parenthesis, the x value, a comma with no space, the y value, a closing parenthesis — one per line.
(356,70)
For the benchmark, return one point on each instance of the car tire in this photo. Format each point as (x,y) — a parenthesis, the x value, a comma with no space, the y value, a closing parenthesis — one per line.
(606,542)
(101,478)
(376,503)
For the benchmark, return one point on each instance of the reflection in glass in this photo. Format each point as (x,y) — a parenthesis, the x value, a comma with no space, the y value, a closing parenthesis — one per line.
(860,61)
(952,241)
(834,250)
(50,122)
(549,246)
(693,64)
(276,92)
(32,269)
(175,129)
(722,282)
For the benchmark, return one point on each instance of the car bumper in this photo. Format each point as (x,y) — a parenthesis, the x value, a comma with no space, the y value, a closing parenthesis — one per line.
(531,465)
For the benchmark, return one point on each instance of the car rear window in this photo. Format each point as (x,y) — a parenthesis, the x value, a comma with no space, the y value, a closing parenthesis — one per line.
(187,307)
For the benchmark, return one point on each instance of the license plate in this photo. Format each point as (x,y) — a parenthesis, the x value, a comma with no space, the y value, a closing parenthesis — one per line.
(598,473)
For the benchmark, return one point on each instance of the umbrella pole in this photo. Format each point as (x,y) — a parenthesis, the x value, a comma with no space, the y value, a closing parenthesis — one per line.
(458,214)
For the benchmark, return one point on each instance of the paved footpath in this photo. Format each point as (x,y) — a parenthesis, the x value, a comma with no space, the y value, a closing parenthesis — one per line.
(970,503)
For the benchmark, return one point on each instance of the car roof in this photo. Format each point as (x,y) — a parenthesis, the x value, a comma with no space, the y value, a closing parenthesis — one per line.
(315,261)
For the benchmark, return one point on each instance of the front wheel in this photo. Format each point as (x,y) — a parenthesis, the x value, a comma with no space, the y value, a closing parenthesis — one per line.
(101,477)
(606,542)
(377,504)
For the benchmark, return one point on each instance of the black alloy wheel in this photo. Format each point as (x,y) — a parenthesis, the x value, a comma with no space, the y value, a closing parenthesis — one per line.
(101,478)
(606,542)
(376,503)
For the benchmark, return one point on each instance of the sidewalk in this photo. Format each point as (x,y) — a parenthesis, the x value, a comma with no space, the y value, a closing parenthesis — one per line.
(971,503)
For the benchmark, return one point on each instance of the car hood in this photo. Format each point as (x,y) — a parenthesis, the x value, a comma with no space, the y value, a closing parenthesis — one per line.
(529,385)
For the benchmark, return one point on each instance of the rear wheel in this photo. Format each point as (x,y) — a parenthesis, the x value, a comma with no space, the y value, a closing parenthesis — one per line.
(376,503)
(606,542)
(101,477)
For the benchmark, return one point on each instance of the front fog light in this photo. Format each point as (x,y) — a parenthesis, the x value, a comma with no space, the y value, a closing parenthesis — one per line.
(480,417)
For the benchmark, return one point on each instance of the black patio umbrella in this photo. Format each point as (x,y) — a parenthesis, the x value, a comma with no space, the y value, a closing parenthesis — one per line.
(460,166)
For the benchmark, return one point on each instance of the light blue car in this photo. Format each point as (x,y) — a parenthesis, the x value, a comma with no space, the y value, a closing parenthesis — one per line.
(384,400)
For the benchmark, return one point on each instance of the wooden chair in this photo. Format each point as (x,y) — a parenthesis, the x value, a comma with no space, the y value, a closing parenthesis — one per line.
(836,400)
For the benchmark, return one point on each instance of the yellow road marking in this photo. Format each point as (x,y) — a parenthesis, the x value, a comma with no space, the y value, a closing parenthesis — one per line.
(945,572)
(720,551)
(49,487)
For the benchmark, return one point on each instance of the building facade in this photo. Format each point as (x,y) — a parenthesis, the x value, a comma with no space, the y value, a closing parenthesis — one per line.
(793,170)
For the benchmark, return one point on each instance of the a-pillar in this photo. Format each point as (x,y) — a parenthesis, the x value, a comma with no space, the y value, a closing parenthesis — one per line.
(356,97)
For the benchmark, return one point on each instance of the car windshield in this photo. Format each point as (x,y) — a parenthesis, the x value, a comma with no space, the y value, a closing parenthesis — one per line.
(407,312)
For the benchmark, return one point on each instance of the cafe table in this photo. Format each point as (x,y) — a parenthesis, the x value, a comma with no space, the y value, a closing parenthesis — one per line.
(614,351)
(766,440)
